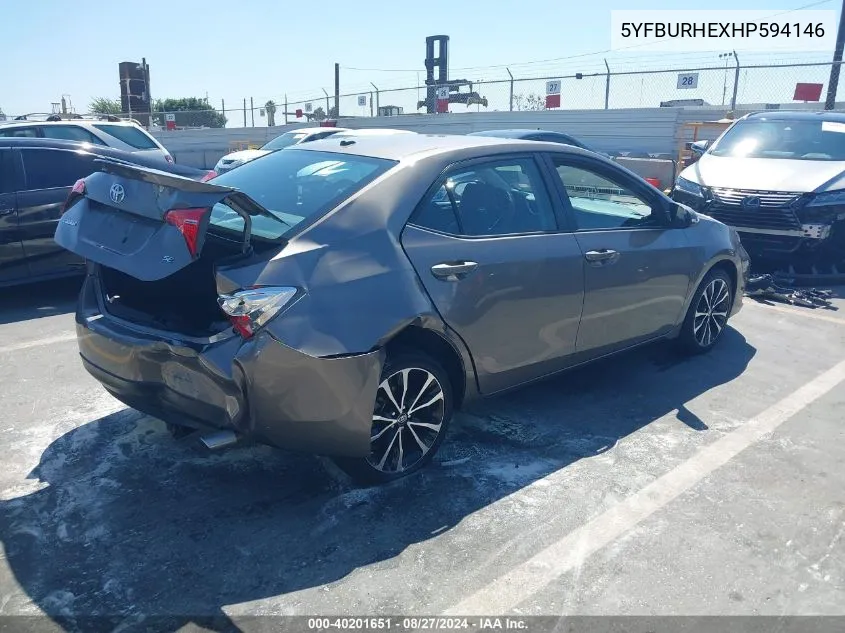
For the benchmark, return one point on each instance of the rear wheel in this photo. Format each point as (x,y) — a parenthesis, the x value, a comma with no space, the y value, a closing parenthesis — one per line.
(413,407)
(708,313)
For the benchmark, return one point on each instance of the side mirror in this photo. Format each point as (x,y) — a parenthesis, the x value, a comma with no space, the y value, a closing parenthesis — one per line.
(680,216)
(699,147)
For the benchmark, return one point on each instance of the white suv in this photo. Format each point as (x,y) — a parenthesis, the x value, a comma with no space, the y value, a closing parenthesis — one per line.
(124,135)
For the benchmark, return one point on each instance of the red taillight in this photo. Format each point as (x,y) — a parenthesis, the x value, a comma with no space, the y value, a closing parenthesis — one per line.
(188,223)
(76,192)
(242,325)
(250,310)
(209,176)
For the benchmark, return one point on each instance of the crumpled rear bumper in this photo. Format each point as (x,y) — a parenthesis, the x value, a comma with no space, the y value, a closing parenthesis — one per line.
(258,388)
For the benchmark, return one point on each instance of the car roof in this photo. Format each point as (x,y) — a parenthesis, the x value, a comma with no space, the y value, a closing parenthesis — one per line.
(374,131)
(313,130)
(516,133)
(402,146)
(30,123)
(797,115)
(55,143)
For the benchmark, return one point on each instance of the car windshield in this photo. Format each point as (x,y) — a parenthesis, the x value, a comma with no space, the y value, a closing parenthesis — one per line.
(285,140)
(295,186)
(797,140)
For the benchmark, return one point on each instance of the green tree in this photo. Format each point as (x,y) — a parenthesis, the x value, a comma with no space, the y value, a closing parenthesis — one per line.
(190,112)
(270,108)
(104,105)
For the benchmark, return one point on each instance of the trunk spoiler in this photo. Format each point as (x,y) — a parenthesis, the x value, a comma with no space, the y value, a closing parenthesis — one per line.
(242,204)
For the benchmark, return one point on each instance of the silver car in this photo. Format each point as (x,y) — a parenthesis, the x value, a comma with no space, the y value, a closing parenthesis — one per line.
(122,135)
(345,296)
(293,137)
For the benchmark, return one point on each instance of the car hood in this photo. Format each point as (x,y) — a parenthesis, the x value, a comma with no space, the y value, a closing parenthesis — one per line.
(765,174)
(246,154)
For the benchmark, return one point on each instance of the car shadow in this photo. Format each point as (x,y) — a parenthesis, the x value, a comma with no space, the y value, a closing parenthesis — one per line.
(127,522)
(40,299)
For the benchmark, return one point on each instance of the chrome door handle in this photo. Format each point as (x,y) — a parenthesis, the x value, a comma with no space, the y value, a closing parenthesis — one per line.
(6,211)
(601,257)
(453,271)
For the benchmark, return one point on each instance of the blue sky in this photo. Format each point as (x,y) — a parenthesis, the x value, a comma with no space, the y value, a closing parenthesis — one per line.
(263,49)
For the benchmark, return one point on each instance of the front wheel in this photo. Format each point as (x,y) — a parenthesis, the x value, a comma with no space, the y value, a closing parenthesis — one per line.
(413,407)
(708,313)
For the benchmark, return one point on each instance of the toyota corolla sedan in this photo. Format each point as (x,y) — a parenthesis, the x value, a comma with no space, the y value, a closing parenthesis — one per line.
(345,296)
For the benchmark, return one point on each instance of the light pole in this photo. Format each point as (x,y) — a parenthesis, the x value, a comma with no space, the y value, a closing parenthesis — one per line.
(726,57)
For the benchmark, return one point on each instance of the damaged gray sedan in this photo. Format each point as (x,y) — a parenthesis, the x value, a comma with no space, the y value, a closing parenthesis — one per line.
(344,297)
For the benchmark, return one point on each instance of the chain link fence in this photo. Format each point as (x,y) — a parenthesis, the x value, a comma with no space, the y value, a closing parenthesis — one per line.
(732,85)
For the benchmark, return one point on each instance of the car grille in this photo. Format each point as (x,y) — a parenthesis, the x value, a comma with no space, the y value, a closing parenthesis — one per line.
(775,211)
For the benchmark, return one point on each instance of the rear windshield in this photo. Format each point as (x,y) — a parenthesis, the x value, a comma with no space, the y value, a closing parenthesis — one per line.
(129,134)
(797,140)
(294,186)
(285,140)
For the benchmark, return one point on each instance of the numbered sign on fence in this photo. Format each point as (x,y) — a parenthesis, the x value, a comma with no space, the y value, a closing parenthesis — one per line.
(308,107)
(687,81)
(553,87)
(443,93)
(170,117)
(362,100)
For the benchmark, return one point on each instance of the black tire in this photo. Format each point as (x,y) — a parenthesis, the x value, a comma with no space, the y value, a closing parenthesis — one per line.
(700,334)
(412,432)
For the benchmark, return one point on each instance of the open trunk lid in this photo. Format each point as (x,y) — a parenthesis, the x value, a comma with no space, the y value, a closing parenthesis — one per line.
(144,222)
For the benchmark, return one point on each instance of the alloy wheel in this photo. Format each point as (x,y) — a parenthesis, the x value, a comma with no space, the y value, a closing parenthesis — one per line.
(407,420)
(711,313)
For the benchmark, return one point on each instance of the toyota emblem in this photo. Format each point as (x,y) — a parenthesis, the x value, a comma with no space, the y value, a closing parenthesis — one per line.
(117,193)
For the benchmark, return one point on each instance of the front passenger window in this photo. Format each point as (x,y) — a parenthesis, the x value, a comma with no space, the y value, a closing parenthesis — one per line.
(600,203)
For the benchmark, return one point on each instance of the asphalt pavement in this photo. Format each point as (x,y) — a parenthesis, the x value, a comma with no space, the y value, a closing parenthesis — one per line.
(647,484)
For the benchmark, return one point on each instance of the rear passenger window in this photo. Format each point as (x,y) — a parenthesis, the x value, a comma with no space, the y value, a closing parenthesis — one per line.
(70,133)
(7,172)
(129,134)
(438,214)
(19,132)
(47,168)
(496,198)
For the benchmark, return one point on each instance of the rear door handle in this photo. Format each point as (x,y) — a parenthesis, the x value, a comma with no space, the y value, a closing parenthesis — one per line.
(601,257)
(6,211)
(453,271)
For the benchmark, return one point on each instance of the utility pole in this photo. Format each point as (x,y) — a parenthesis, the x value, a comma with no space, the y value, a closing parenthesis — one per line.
(726,56)
(337,89)
(833,82)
